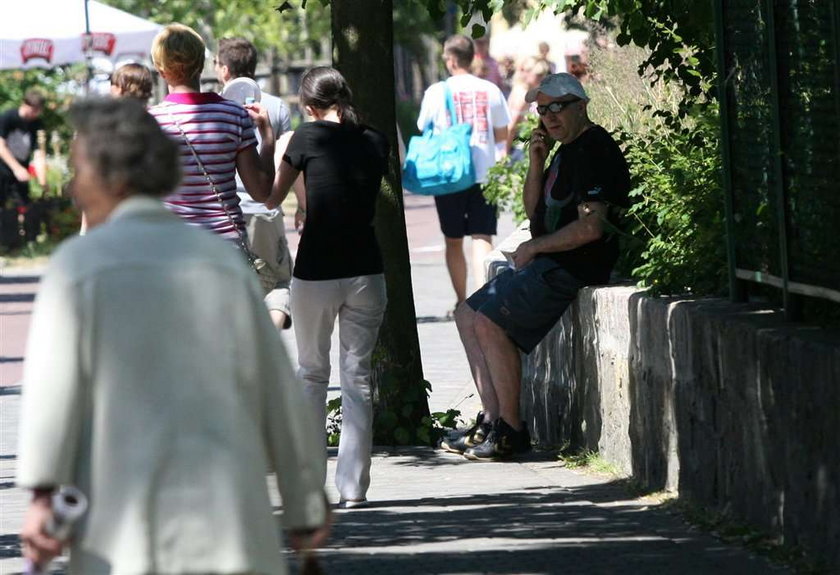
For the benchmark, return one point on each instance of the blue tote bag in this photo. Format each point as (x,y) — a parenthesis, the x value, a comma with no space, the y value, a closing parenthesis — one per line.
(437,164)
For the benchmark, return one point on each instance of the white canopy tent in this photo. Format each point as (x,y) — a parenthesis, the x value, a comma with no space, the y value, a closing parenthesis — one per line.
(47,33)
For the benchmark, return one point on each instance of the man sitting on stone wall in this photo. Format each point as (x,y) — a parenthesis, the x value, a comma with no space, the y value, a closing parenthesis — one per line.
(572,206)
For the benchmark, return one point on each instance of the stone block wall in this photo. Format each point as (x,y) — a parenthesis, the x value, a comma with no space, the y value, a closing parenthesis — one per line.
(727,403)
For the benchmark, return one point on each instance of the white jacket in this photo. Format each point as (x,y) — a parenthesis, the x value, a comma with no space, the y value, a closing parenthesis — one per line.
(157,384)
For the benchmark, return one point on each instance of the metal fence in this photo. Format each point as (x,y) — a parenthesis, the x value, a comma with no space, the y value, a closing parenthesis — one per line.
(780,111)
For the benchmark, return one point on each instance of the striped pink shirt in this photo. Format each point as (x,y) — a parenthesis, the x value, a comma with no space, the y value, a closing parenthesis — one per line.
(218,129)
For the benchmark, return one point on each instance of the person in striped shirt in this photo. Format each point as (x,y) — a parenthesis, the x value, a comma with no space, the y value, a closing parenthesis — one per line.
(216,138)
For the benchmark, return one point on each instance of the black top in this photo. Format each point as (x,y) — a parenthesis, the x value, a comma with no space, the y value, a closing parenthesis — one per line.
(590,168)
(20,136)
(342,167)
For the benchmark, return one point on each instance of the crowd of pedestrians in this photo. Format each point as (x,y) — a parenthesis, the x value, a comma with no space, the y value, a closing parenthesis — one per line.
(155,379)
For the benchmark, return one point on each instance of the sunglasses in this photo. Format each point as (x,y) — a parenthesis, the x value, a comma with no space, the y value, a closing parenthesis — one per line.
(555,107)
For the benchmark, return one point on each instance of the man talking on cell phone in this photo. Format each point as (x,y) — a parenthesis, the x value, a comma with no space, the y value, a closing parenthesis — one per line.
(572,205)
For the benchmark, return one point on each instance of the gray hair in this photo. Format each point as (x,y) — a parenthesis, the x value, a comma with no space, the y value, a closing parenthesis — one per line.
(126,146)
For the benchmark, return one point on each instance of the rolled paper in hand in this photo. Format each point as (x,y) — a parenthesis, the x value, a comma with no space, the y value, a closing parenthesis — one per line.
(68,506)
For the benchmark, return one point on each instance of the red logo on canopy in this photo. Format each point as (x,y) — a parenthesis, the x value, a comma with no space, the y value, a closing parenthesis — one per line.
(36,48)
(99,42)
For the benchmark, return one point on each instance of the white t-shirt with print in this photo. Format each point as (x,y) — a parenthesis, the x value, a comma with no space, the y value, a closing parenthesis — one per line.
(478,102)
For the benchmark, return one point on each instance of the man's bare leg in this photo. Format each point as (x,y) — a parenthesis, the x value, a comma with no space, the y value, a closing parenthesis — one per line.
(465,318)
(482,245)
(502,360)
(456,263)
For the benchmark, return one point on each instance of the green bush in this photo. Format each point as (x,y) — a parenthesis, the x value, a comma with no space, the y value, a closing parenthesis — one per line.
(407,112)
(677,212)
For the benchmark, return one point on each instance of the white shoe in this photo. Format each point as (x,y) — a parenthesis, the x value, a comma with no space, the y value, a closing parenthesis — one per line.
(352,503)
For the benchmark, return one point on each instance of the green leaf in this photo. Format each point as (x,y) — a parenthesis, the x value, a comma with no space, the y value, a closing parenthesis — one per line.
(387,419)
(478,31)
(423,436)
(402,436)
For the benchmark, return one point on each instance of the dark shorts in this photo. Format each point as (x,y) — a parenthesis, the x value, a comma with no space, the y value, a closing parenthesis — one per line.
(466,213)
(527,303)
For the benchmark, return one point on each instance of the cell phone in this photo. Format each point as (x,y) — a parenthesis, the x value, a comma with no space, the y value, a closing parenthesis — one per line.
(549,141)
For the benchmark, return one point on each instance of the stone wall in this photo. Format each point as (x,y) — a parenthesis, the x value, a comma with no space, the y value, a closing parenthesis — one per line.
(729,404)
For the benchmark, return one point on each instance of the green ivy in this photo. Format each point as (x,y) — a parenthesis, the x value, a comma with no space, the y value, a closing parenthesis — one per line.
(392,427)
(401,414)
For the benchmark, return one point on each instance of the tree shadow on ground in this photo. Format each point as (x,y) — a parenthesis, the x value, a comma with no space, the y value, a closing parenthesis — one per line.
(551,530)
(429,457)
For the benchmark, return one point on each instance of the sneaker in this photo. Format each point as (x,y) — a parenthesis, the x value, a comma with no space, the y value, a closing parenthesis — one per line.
(503,442)
(460,440)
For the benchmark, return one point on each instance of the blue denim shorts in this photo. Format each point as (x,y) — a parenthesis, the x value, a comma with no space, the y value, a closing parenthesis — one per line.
(526,303)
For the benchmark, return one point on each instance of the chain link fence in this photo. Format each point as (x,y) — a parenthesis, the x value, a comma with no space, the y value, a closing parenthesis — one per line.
(780,87)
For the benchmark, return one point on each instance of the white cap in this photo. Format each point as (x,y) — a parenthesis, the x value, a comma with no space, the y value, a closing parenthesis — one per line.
(557,86)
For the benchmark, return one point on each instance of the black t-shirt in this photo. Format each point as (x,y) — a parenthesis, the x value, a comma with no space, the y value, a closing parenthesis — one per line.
(21,138)
(342,167)
(590,168)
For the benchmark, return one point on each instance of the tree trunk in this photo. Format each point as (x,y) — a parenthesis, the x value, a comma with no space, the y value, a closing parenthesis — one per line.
(363,51)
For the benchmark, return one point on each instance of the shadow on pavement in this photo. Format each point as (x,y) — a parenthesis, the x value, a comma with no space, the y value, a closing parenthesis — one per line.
(19,279)
(17,297)
(433,458)
(553,530)
(435,319)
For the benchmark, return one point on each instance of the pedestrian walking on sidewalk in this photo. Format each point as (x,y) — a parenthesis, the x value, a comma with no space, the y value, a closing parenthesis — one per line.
(132,80)
(572,206)
(156,383)
(237,58)
(467,213)
(216,137)
(338,269)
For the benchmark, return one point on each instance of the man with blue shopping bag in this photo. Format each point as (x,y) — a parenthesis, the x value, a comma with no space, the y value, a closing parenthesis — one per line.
(481,105)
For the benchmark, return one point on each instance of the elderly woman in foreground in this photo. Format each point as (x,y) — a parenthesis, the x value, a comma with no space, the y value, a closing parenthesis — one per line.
(165,416)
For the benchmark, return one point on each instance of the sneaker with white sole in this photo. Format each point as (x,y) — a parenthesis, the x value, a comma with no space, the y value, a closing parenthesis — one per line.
(459,440)
(503,442)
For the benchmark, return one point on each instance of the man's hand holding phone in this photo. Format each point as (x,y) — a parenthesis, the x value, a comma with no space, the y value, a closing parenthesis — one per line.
(541,144)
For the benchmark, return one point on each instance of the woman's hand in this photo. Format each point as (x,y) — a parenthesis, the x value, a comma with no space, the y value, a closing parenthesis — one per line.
(259,115)
(39,547)
(304,540)
(300,219)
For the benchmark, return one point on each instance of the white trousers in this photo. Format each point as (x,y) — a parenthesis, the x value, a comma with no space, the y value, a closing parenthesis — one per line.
(267,239)
(359,303)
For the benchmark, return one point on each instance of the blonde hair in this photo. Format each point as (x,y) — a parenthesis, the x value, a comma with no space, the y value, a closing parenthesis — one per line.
(534,64)
(178,54)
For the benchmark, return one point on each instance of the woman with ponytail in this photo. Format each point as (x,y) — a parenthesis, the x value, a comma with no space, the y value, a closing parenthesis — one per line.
(338,269)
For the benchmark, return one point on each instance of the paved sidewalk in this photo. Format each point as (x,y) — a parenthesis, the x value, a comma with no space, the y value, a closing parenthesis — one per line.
(433,512)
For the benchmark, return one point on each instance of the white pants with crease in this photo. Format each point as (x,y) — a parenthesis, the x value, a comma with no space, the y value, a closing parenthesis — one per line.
(359,303)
